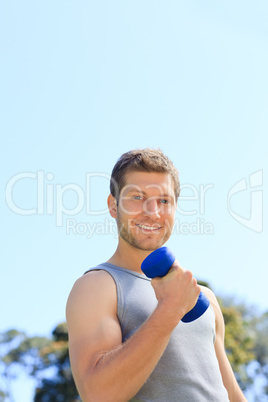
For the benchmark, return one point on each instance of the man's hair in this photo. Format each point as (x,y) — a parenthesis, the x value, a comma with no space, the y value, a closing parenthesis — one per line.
(142,160)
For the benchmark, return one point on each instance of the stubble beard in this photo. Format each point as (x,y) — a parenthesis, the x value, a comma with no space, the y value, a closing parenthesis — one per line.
(126,234)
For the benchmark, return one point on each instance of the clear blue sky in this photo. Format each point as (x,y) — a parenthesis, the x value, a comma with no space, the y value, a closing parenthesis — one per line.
(81,83)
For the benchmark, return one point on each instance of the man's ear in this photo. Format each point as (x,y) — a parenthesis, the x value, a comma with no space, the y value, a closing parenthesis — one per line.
(112,205)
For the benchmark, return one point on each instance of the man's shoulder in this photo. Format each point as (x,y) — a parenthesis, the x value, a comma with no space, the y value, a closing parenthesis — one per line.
(92,288)
(214,302)
(93,278)
(208,292)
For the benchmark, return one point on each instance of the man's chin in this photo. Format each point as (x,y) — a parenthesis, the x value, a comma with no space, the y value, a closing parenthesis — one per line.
(149,245)
(149,242)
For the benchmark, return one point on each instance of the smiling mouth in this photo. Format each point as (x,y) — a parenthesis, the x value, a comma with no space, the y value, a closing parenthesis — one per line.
(146,227)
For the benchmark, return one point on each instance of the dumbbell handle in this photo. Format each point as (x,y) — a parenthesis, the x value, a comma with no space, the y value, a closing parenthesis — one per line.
(158,263)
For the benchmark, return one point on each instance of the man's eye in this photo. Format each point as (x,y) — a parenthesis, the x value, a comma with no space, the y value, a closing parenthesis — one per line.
(137,197)
(164,201)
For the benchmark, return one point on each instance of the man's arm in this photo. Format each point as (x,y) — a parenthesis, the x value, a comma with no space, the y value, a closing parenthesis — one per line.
(234,392)
(104,368)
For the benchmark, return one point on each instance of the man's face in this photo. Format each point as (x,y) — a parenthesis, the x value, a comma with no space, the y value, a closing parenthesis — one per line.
(146,209)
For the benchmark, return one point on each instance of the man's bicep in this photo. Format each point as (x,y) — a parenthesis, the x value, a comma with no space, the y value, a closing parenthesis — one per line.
(93,326)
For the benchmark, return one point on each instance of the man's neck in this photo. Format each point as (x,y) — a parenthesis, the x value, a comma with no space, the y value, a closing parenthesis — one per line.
(128,257)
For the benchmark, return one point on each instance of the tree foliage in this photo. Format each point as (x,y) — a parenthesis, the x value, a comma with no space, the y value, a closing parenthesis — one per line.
(46,359)
(239,344)
(56,355)
(259,329)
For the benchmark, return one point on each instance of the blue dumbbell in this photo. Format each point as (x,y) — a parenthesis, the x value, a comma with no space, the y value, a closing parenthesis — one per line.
(158,263)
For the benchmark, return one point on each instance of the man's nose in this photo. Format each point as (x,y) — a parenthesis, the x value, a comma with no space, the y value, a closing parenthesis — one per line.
(151,208)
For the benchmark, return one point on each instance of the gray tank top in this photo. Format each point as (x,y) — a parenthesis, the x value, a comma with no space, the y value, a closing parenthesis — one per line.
(188,371)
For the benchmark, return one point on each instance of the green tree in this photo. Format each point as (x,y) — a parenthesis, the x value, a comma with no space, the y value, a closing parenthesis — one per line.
(45,359)
(259,329)
(239,340)
(17,351)
(61,386)
(239,344)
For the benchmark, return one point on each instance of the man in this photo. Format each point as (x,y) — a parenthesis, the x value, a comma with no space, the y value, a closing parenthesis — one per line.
(126,338)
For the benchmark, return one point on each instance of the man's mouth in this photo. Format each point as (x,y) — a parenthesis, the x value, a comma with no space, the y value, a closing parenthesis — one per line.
(147,227)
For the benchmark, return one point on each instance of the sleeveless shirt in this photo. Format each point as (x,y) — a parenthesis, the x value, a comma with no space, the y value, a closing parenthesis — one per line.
(188,370)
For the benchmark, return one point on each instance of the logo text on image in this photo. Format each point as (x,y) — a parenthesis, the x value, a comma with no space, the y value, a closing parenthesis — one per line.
(50,196)
(49,200)
(254,199)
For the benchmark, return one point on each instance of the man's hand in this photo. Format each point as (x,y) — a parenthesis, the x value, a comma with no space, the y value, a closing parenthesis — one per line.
(178,291)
